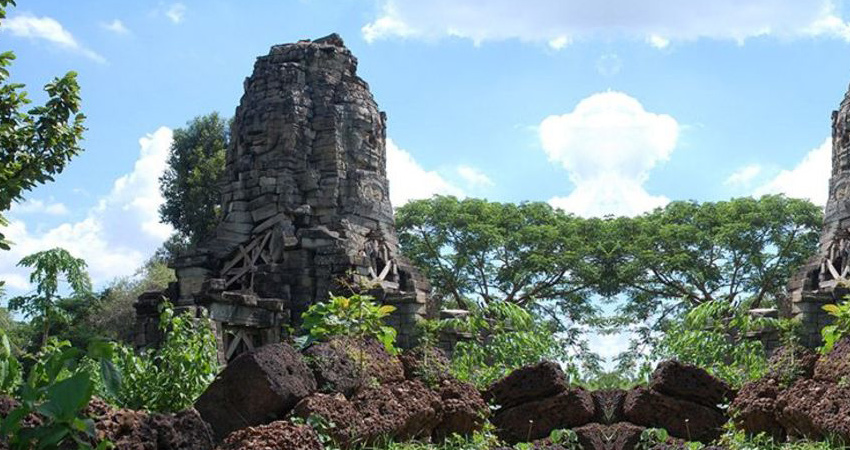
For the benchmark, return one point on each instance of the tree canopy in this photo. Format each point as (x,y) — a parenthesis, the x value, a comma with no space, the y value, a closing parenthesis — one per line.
(528,254)
(50,268)
(39,142)
(656,267)
(190,184)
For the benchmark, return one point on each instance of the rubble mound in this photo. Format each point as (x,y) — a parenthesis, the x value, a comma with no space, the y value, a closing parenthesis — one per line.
(404,411)
(345,364)
(754,408)
(790,363)
(618,436)
(689,382)
(526,384)
(835,367)
(813,405)
(681,418)
(535,400)
(462,409)
(276,435)
(608,404)
(429,364)
(131,430)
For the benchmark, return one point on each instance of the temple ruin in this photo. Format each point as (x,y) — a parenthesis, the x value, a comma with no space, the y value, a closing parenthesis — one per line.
(305,208)
(825,278)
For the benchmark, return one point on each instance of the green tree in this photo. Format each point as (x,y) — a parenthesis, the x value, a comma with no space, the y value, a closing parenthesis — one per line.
(739,252)
(114,309)
(50,268)
(38,143)
(528,254)
(190,184)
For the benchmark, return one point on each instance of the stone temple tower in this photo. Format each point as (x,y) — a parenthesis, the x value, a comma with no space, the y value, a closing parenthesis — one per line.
(305,206)
(826,277)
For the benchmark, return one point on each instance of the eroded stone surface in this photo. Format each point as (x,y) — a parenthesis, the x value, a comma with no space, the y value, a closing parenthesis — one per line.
(255,388)
(305,205)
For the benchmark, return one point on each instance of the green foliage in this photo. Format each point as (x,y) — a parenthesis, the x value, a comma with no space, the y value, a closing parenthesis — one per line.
(565,438)
(504,337)
(169,378)
(10,368)
(840,326)
(675,258)
(713,336)
(38,143)
(114,309)
(516,253)
(190,184)
(50,267)
(734,439)
(651,437)
(356,316)
(58,390)
(479,440)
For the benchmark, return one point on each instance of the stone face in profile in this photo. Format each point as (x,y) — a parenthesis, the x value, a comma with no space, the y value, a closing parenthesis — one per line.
(305,203)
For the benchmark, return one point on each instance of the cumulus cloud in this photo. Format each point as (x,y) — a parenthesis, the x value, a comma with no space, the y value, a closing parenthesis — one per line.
(50,30)
(474,177)
(743,176)
(608,144)
(558,22)
(409,181)
(117,234)
(808,180)
(175,12)
(35,206)
(116,26)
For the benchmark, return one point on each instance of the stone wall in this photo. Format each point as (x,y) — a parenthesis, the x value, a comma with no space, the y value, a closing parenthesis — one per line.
(305,204)
(823,279)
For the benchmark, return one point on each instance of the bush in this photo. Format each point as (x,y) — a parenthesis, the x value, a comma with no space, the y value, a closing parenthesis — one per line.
(504,337)
(840,326)
(169,378)
(356,316)
(58,389)
(714,336)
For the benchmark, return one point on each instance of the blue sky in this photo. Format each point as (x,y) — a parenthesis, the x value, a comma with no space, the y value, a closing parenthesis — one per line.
(600,107)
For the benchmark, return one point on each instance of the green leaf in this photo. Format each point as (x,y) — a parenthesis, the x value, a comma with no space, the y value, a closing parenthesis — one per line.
(67,397)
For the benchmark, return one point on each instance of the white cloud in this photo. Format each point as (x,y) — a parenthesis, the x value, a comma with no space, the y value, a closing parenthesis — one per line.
(809,179)
(409,181)
(608,144)
(474,177)
(559,42)
(658,22)
(175,12)
(116,26)
(743,176)
(35,206)
(48,29)
(658,41)
(117,234)
(15,281)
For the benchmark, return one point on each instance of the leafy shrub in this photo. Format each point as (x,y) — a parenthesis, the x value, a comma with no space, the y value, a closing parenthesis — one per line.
(169,378)
(356,316)
(10,368)
(714,336)
(504,337)
(840,326)
(57,389)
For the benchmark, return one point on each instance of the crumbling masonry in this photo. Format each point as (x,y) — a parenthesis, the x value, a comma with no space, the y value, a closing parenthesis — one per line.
(826,277)
(305,207)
